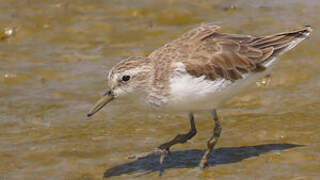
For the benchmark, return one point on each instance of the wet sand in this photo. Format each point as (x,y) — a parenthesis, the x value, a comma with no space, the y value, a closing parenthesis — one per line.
(54,59)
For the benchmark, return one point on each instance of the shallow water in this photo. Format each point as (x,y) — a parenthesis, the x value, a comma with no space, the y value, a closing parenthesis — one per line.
(54,59)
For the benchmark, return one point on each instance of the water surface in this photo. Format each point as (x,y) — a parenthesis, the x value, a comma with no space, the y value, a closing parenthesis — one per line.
(54,56)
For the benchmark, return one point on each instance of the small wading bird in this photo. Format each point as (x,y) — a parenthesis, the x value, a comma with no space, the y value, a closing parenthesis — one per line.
(197,72)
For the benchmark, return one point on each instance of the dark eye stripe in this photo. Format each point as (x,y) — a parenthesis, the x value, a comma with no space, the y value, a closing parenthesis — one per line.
(125,78)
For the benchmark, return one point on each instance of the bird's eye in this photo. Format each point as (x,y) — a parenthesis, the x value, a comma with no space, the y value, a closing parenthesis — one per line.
(125,78)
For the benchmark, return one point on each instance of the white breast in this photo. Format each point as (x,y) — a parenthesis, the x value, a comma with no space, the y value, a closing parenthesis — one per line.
(189,93)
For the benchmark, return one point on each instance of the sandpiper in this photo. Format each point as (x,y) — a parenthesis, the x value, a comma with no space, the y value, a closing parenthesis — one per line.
(197,72)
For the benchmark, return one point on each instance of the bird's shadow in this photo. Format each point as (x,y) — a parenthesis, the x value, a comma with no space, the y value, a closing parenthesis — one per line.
(191,159)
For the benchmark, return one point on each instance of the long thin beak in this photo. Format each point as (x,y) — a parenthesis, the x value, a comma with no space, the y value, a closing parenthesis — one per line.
(101,103)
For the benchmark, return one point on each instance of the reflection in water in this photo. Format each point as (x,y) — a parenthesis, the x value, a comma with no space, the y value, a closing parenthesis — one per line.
(191,159)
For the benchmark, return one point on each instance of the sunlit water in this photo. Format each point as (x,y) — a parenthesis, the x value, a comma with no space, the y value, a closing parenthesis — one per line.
(54,56)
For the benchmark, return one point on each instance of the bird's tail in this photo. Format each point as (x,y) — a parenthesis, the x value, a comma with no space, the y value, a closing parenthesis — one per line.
(277,44)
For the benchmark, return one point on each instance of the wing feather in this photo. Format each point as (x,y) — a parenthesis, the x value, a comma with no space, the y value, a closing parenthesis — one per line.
(230,56)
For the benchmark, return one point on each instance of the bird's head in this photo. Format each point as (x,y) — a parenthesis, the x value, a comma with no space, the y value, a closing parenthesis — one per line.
(128,77)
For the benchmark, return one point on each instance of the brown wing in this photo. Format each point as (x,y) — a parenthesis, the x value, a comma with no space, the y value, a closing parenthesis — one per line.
(229,56)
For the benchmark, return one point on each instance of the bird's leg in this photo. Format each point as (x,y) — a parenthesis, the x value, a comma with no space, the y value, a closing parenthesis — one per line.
(212,141)
(180,138)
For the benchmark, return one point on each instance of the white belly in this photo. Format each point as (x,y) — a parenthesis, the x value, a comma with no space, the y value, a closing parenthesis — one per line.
(192,94)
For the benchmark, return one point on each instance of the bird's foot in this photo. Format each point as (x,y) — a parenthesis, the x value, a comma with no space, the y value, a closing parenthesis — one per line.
(204,160)
(162,152)
(203,164)
(139,156)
